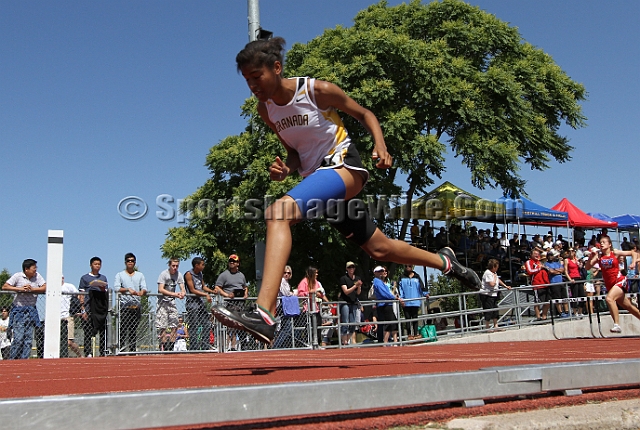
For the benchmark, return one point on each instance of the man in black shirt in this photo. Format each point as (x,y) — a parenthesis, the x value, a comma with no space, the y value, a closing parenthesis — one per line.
(350,288)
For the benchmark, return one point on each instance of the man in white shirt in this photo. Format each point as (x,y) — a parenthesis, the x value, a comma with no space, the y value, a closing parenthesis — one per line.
(24,315)
(131,285)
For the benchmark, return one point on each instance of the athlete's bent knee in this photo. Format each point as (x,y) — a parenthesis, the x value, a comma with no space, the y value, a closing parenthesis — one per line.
(378,249)
(282,210)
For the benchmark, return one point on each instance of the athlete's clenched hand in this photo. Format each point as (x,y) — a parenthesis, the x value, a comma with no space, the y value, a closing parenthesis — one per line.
(278,170)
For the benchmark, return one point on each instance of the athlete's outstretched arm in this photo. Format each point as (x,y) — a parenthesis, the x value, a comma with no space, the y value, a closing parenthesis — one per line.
(330,95)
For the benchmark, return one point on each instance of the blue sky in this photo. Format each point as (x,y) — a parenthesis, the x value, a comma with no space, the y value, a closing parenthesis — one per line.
(104,100)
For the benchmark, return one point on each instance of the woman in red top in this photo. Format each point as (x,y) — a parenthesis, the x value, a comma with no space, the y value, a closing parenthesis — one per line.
(572,272)
(540,282)
(615,282)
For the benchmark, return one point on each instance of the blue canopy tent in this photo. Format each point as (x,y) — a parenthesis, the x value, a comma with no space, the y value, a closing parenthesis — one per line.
(627,221)
(525,211)
(602,217)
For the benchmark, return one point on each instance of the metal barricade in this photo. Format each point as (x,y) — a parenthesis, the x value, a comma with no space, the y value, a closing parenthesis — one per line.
(149,330)
(568,301)
(597,305)
(294,330)
(163,325)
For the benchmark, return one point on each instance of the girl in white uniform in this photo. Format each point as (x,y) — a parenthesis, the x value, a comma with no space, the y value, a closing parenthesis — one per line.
(303,113)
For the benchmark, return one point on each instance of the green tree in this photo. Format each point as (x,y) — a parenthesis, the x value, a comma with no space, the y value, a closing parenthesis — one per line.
(6,298)
(438,75)
(443,285)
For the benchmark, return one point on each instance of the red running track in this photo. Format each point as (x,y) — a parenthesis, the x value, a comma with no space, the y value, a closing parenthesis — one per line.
(34,378)
(28,378)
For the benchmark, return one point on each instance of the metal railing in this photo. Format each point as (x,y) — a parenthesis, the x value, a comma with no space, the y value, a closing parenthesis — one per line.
(143,330)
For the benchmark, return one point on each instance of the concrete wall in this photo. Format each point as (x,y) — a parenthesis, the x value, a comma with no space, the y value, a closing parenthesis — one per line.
(563,329)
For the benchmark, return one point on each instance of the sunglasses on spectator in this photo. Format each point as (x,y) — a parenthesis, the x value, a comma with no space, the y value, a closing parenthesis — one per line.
(130,260)
(287,273)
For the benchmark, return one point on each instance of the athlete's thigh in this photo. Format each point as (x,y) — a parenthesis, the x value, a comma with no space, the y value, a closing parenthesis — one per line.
(315,193)
(616,293)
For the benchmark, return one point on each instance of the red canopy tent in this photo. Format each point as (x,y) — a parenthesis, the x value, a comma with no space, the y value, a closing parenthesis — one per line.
(577,218)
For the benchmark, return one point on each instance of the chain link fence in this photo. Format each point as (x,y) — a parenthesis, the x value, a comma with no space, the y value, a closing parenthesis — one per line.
(158,325)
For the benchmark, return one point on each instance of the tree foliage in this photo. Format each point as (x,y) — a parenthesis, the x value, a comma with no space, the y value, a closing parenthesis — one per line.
(443,285)
(439,76)
(7,298)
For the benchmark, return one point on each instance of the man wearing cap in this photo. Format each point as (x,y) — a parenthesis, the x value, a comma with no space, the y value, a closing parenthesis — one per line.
(557,290)
(350,288)
(232,285)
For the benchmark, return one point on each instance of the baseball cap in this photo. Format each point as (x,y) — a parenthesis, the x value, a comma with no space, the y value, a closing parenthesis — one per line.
(378,269)
(350,263)
(234,257)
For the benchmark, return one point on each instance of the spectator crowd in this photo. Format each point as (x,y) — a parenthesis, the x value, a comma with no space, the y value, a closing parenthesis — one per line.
(553,267)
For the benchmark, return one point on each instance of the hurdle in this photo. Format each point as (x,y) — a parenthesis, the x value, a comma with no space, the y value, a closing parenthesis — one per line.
(569,301)
(603,297)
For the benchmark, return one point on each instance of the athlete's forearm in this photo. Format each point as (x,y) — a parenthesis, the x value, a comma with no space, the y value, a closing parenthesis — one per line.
(370,122)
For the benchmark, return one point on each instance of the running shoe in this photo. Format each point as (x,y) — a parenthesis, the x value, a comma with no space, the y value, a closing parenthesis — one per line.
(250,321)
(467,277)
(616,329)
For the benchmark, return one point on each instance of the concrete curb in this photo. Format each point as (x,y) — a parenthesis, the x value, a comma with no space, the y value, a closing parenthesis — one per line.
(564,329)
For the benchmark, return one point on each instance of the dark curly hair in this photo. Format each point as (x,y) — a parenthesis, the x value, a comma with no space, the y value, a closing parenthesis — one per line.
(261,53)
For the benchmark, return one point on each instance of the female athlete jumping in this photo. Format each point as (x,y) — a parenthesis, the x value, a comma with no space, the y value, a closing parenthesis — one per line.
(303,114)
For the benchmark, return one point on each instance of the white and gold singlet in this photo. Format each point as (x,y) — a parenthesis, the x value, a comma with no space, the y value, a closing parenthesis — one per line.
(319,136)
